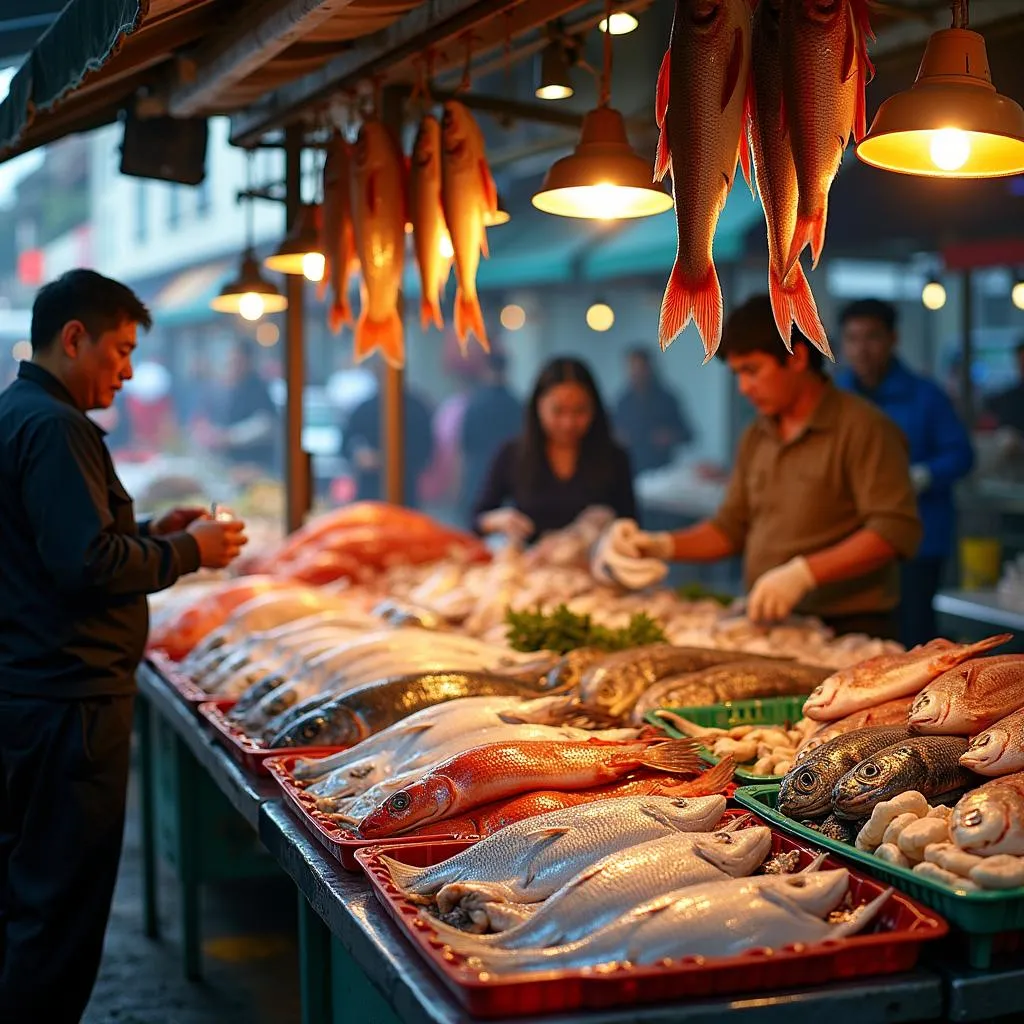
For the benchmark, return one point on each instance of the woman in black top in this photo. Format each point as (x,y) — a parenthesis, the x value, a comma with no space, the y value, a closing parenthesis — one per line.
(564,462)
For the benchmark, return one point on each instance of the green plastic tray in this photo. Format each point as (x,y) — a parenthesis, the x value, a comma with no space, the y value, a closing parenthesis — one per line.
(980,915)
(762,711)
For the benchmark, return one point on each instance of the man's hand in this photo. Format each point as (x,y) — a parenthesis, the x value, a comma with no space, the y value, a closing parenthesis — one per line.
(175,521)
(778,591)
(628,556)
(509,521)
(220,541)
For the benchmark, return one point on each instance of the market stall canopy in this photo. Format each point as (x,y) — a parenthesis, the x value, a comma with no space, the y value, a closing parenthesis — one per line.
(22,22)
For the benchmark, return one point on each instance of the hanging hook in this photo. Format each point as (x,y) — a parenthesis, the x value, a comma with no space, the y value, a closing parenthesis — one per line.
(464,85)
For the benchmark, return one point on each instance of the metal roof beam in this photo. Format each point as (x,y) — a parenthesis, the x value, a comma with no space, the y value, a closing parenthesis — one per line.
(241,49)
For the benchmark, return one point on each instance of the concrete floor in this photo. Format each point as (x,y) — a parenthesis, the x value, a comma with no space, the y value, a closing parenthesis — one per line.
(250,952)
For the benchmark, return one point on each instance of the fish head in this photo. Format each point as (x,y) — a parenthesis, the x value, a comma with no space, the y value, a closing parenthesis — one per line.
(824,695)
(426,151)
(375,147)
(873,780)
(986,749)
(735,853)
(816,893)
(689,813)
(982,820)
(930,709)
(460,134)
(416,804)
(806,791)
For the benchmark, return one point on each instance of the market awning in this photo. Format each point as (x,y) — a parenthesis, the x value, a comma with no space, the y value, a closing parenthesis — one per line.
(186,297)
(648,246)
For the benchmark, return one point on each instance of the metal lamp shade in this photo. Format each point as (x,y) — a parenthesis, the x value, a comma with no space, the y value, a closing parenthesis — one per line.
(301,241)
(249,282)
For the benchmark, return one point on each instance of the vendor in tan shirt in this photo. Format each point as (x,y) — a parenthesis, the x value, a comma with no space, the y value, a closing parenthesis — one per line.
(820,501)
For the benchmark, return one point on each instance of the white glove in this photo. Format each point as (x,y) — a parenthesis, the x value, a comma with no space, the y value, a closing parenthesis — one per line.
(921,478)
(628,556)
(509,521)
(778,591)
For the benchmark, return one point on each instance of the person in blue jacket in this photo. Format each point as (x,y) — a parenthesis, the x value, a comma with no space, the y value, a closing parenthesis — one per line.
(940,449)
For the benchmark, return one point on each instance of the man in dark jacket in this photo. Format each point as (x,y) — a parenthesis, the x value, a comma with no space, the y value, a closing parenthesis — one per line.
(649,420)
(940,449)
(75,569)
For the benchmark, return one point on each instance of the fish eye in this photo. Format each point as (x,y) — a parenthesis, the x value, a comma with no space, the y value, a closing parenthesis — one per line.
(973,817)
(725,838)
(798,883)
(400,801)
(870,771)
(807,779)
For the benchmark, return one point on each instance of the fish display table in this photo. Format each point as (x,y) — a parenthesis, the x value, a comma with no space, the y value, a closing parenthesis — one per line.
(982,611)
(984,995)
(356,965)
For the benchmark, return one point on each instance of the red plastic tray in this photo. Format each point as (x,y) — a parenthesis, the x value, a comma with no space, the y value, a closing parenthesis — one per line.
(250,753)
(892,946)
(181,682)
(335,840)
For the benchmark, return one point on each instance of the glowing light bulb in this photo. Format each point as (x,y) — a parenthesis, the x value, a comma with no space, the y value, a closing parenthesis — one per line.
(950,149)
(622,22)
(313,264)
(513,317)
(933,295)
(22,351)
(1017,295)
(553,92)
(250,306)
(600,317)
(446,247)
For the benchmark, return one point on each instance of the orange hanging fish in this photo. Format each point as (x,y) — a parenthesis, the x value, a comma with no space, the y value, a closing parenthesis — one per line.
(378,222)
(468,193)
(496,770)
(775,172)
(337,242)
(825,69)
(701,92)
(431,240)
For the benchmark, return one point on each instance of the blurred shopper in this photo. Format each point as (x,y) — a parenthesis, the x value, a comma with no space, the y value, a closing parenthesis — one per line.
(1007,407)
(649,419)
(249,436)
(819,503)
(76,569)
(363,446)
(493,416)
(564,462)
(940,449)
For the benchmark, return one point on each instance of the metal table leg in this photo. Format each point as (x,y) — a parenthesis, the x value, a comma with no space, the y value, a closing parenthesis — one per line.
(188,857)
(355,999)
(147,800)
(314,965)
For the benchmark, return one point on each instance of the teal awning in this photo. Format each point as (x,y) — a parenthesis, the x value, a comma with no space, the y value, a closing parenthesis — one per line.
(185,299)
(648,246)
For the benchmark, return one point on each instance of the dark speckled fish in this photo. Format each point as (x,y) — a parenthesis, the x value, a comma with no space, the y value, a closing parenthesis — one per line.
(929,764)
(834,828)
(806,791)
(352,717)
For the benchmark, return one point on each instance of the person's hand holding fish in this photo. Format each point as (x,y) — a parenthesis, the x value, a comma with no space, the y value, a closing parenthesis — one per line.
(516,526)
(631,557)
(778,591)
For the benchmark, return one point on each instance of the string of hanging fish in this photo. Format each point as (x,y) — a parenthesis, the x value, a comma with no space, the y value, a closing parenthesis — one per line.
(775,88)
(373,196)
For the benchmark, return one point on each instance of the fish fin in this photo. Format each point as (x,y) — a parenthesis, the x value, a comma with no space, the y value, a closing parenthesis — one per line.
(663,159)
(735,67)
(490,189)
(745,162)
(860,110)
(793,302)
(662,94)
(387,336)
(714,780)
(673,756)
(430,313)
(339,313)
(485,249)
(849,68)
(861,917)
(469,319)
(957,655)
(542,839)
(810,231)
(401,874)
(814,865)
(700,301)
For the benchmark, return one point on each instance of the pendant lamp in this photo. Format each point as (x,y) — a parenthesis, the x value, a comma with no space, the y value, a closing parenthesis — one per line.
(300,253)
(619,24)
(951,123)
(604,178)
(250,295)
(500,215)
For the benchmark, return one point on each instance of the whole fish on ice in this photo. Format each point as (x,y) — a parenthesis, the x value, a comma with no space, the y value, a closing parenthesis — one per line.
(890,676)
(990,820)
(702,87)
(970,697)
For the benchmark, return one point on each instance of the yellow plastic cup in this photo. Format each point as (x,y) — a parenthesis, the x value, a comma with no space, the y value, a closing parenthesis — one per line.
(980,562)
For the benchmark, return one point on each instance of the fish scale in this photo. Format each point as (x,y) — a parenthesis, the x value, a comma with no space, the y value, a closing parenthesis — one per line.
(970,697)
(990,820)
(998,750)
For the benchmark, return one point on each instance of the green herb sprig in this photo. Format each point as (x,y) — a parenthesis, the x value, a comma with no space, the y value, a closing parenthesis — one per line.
(563,630)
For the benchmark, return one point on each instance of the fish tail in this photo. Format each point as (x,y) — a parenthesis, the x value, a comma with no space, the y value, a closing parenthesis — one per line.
(386,335)
(700,301)
(810,231)
(793,302)
(861,917)
(708,783)
(679,756)
(430,313)
(403,875)
(469,319)
(339,314)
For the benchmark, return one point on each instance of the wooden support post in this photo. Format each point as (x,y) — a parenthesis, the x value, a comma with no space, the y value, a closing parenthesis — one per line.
(392,384)
(967,349)
(296,463)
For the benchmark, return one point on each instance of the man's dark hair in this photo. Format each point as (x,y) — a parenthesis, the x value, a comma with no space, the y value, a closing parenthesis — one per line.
(871,309)
(99,302)
(751,328)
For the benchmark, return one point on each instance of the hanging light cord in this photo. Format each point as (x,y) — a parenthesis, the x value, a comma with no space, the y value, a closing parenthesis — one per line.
(606,75)
(249,228)
(961,14)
